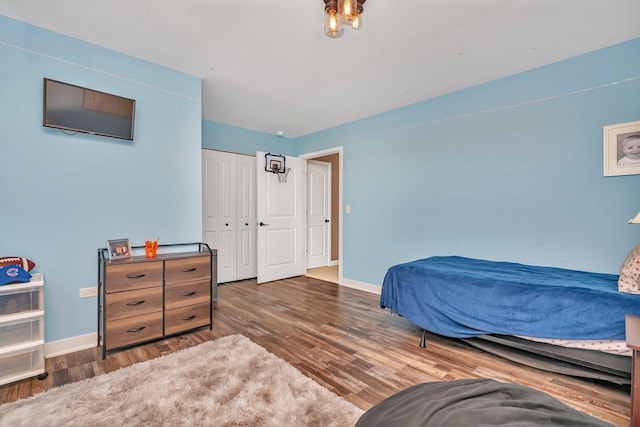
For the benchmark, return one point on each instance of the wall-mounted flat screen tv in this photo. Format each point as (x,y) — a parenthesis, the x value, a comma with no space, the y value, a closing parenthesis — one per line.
(79,109)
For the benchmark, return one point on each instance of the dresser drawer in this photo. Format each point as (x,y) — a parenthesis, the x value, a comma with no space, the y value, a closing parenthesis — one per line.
(133,330)
(187,269)
(184,318)
(128,276)
(133,303)
(189,293)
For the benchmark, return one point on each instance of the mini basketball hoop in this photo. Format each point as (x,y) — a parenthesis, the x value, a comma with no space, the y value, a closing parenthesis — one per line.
(277,164)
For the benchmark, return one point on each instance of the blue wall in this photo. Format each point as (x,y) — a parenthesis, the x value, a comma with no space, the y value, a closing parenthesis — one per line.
(63,196)
(509,170)
(234,139)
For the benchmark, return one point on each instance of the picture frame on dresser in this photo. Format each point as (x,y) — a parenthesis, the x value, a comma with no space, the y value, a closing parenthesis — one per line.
(621,146)
(119,249)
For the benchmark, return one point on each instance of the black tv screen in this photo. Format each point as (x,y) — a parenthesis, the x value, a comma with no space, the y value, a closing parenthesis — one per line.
(79,109)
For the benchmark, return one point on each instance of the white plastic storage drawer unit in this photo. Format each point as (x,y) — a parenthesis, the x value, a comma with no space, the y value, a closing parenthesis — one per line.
(22,330)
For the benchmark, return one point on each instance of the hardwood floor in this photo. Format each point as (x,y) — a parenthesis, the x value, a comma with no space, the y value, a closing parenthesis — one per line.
(344,341)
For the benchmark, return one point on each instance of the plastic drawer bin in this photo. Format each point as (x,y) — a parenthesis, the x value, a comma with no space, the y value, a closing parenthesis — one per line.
(19,364)
(21,298)
(21,331)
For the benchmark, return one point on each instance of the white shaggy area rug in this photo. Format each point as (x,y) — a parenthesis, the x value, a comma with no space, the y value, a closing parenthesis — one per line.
(227,382)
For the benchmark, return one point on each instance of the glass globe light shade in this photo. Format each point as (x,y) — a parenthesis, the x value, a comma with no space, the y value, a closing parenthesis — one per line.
(333,26)
(356,24)
(347,9)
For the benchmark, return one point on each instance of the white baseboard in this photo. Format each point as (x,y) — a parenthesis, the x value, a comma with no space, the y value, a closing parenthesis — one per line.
(361,286)
(69,345)
(334,262)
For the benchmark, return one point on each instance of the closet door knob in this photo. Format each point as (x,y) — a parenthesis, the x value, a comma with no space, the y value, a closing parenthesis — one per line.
(262,224)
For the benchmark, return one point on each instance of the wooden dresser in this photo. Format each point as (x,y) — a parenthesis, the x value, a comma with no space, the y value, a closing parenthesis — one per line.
(142,299)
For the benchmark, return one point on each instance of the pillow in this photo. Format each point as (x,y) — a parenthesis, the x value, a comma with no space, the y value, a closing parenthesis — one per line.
(25,263)
(629,280)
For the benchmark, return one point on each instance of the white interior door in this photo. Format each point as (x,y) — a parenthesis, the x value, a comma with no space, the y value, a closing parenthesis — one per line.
(281,221)
(318,213)
(210,199)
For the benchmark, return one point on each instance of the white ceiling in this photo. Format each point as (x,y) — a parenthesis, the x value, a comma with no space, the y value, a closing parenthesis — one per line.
(266,65)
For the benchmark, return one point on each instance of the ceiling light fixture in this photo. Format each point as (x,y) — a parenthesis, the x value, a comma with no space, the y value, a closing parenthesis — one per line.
(342,12)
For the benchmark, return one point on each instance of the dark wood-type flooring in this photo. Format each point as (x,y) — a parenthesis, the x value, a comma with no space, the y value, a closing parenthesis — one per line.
(344,341)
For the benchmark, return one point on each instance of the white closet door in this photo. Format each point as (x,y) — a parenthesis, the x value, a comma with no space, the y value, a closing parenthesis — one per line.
(246,215)
(210,198)
(227,221)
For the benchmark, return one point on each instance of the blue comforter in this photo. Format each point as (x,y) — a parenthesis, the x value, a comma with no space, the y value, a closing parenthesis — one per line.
(463,297)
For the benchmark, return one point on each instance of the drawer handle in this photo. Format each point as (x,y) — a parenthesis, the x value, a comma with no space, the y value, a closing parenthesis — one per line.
(188,294)
(189,270)
(193,316)
(135,276)
(135,303)
(136,329)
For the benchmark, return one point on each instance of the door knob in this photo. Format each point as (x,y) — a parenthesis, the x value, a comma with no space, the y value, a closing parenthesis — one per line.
(326,220)
(246,224)
(227,224)
(262,224)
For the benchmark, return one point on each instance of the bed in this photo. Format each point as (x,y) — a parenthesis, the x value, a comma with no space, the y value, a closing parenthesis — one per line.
(508,308)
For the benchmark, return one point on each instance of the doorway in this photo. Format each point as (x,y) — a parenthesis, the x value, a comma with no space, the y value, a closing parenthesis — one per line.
(328,274)
(332,272)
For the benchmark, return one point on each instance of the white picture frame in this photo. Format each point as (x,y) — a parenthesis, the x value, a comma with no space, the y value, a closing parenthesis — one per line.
(615,138)
(119,249)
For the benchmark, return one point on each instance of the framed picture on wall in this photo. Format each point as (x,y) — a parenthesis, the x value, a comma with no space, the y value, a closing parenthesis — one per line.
(119,249)
(621,151)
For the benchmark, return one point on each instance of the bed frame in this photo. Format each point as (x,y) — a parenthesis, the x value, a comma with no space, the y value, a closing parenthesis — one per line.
(568,361)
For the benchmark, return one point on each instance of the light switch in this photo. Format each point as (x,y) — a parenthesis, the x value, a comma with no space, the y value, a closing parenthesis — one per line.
(347,209)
